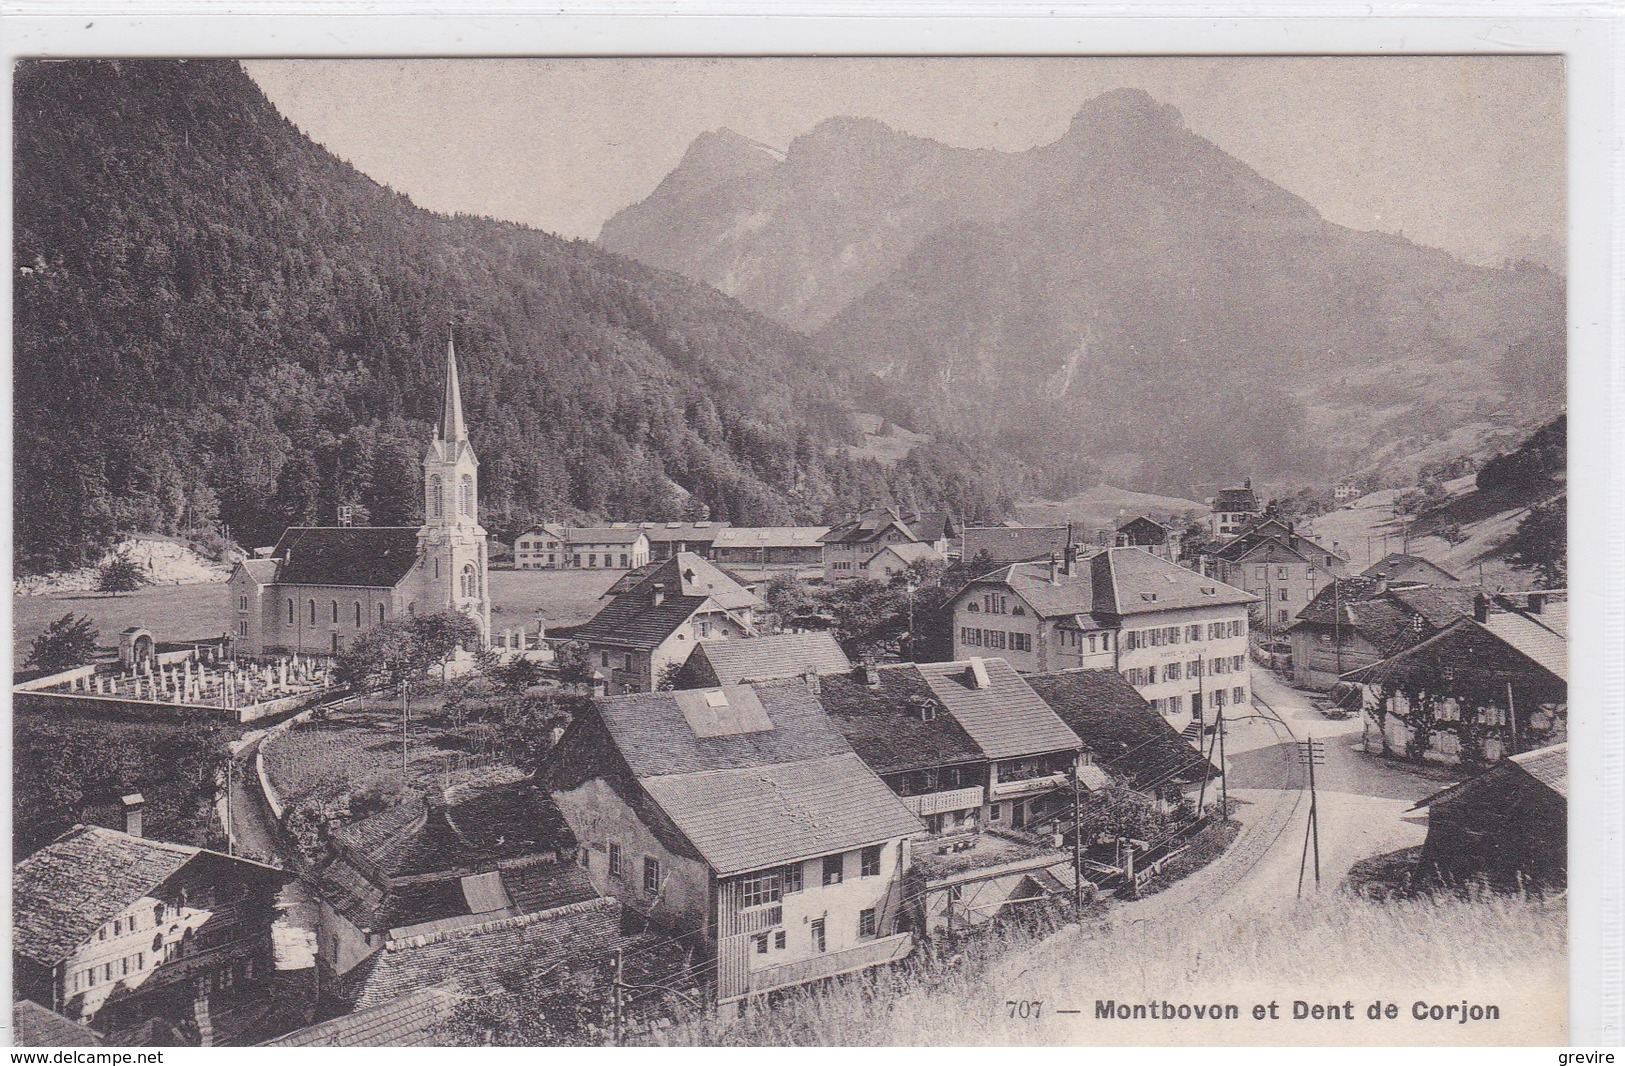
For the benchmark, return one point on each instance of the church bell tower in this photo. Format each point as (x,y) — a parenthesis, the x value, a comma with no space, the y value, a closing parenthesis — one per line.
(451,543)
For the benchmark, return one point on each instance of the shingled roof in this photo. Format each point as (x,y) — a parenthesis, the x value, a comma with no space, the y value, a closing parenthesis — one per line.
(747,725)
(1003,715)
(37,1026)
(1236,501)
(759,816)
(1003,544)
(886,727)
(1119,728)
(770,658)
(1389,619)
(634,620)
(359,556)
(65,891)
(1130,581)
(490,957)
(1548,765)
(411,1020)
(1503,645)
(1397,566)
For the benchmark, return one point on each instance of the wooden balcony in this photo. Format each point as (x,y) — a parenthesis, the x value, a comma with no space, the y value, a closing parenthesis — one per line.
(1029,786)
(958,799)
(760,919)
(833,964)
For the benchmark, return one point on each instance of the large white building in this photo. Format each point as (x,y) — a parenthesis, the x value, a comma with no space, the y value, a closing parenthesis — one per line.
(323,586)
(1179,638)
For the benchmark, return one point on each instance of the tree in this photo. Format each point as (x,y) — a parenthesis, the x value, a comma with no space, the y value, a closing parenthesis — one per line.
(517,675)
(530,724)
(67,642)
(1541,543)
(440,635)
(574,666)
(121,575)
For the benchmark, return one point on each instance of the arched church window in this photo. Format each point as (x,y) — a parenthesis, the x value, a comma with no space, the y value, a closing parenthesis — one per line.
(380,614)
(471,581)
(466,497)
(358,614)
(312,612)
(437,569)
(290,610)
(437,497)
(335,612)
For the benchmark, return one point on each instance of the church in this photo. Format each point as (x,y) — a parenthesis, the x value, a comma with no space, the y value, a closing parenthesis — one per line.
(323,586)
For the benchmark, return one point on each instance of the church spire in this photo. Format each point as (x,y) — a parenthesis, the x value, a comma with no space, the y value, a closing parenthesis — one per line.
(452,427)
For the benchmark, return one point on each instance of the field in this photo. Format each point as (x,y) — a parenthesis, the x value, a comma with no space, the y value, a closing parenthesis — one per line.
(188,612)
(1102,507)
(1334,949)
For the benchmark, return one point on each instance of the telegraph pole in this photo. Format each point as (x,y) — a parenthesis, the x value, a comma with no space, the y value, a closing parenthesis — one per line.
(1311,751)
(1077,844)
(617,993)
(1224,772)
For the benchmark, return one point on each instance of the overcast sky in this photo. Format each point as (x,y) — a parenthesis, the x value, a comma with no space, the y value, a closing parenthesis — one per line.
(1462,153)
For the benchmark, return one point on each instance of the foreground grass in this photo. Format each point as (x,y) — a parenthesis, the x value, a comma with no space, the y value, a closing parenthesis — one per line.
(1335,949)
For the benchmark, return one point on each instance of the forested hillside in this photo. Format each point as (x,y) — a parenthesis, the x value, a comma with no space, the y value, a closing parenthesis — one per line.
(219,323)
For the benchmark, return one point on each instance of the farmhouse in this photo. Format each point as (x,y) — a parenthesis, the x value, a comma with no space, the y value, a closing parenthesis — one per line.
(654,625)
(323,586)
(1178,637)
(765,550)
(739,817)
(1356,621)
(1397,568)
(1508,825)
(1484,687)
(770,658)
(113,930)
(1138,531)
(852,548)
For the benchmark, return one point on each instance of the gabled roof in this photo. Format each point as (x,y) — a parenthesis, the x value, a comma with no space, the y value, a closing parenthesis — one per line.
(630,621)
(733,726)
(599,534)
(665,532)
(65,891)
(1005,544)
(493,956)
(358,556)
(1503,643)
(1270,540)
(1068,594)
(770,658)
(755,817)
(1387,618)
(1549,766)
(411,1020)
(37,1026)
(868,526)
(261,571)
(1131,581)
(886,727)
(1119,728)
(909,553)
(1004,717)
(1397,566)
(631,579)
(931,526)
(688,574)
(770,537)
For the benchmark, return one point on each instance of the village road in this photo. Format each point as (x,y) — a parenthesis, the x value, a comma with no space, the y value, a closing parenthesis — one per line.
(253,836)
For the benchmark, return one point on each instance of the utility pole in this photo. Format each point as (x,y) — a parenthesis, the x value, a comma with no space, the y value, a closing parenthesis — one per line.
(1311,751)
(617,993)
(1512,719)
(1224,772)
(231,843)
(403,732)
(1077,844)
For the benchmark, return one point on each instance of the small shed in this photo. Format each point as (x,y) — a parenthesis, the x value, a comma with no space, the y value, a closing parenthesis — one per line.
(1508,826)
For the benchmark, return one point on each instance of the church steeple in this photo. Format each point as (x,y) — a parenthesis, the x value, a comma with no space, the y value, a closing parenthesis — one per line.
(452,427)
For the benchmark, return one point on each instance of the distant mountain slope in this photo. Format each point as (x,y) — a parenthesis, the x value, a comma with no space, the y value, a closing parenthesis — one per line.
(1129,296)
(217,319)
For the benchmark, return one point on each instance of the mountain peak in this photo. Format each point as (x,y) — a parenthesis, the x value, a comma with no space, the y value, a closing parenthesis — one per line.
(1128,107)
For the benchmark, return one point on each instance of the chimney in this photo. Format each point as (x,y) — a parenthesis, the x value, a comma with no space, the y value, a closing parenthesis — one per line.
(134,804)
(976,675)
(1481,608)
(1537,602)
(599,686)
(1247,483)
(657,594)
(869,674)
(810,675)
(1054,569)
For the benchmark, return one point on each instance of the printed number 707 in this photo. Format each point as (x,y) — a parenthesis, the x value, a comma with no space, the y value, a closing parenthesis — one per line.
(1026,1009)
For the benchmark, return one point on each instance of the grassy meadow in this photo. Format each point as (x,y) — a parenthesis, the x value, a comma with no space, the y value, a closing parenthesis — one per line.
(1336,949)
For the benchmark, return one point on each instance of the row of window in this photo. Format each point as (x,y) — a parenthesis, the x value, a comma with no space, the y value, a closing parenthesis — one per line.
(310,611)
(653,877)
(1072,638)
(109,971)
(1191,634)
(1172,705)
(758,890)
(1151,675)
(996,639)
(868,929)
(437,496)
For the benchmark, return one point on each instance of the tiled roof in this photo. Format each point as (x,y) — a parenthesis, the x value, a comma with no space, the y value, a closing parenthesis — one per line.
(1119,728)
(760,816)
(770,658)
(1069,594)
(770,537)
(631,621)
(885,725)
(1508,642)
(411,1020)
(1006,719)
(867,526)
(62,893)
(1130,581)
(931,526)
(491,957)
(631,579)
(687,574)
(665,532)
(574,535)
(1397,566)
(1386,617)
(359,556)
(37,1026)
(1014,543)
(655,736)
(262,571)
